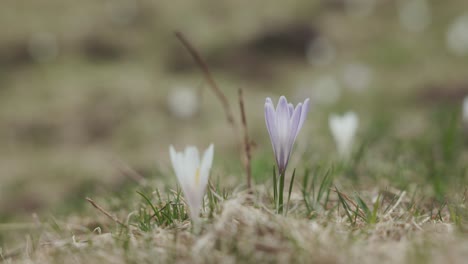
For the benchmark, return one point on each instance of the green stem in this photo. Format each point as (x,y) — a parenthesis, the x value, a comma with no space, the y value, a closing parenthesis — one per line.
(275,189)
(290,191)
(280,193)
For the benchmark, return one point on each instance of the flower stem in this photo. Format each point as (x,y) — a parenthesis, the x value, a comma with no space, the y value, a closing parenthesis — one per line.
(275,189)
(290,191)
(280,193)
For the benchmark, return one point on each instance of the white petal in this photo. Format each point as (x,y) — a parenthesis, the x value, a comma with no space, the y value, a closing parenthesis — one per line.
(178,162)
(175,159)
(343,131)
(465,109)
(194,200)
(173,155)
(205,166)
(191,155)
(305,111)
(191,164)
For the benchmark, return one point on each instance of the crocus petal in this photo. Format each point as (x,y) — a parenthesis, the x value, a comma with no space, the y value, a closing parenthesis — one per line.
(282,118)
(192,163)
(175,159)
(283,126)
(343,129)
(183,171)
(270,119)
(282,109)
(295,121)
(194,201)
(465,109)
(173,155)
(305,111)
(179,160)
(352,122)
(291,109)
(205,165)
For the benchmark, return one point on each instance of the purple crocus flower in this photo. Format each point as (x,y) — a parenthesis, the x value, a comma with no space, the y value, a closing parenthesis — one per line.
(283,125)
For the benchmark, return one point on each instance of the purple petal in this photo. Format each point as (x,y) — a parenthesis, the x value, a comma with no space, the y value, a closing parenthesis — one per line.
(283,102)
(282,113)
(283,126)
(270,120)
(269,101)
(270,117)
(295,120)
(291,109)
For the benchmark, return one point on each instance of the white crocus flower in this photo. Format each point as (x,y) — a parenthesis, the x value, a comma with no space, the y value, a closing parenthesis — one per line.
(343,129)
(192,175)
(465,110)
(457,36)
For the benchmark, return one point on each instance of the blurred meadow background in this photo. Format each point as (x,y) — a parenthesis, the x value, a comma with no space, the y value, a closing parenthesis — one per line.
(92,93)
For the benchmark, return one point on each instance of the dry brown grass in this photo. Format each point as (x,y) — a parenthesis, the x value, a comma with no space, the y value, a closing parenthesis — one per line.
(245,230)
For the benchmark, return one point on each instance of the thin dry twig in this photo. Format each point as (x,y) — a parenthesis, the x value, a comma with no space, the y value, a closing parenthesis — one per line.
(209,78)
(129,172)
(247,147)
(102,210)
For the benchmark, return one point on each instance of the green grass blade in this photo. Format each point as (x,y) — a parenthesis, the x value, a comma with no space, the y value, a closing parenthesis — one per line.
(305,192)
(290,190)
(148,201)
(364,207)
(324,185)
(373,218)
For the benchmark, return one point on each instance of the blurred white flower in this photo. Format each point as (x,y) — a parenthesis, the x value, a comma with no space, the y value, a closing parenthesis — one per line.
(343,129)
(465,110)
(457,36)
(415,15)
(192,175)
(357,76)
(43,46)
(320,52)
(322,91)
(360,8)
(183,102)
(326,90)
